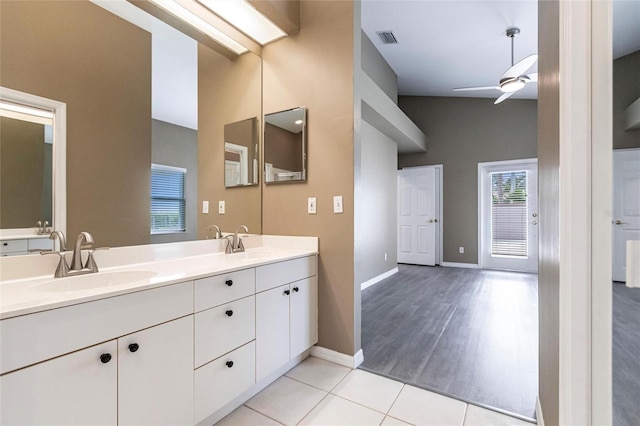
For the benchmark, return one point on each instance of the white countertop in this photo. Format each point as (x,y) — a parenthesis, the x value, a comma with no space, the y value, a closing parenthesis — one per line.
(33,294)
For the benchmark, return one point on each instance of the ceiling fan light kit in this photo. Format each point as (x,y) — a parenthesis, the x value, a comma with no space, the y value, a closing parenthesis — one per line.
(514,78)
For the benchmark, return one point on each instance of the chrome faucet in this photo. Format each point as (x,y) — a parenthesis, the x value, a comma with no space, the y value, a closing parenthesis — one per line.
(76,259)
(63,269)
(218,233)
(235,245)
(43,229)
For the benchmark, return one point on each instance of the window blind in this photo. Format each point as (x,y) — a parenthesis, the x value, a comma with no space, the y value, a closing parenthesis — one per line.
(167,199)
(509,208)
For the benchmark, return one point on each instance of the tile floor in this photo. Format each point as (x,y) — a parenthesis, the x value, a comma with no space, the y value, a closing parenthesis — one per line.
(317,392)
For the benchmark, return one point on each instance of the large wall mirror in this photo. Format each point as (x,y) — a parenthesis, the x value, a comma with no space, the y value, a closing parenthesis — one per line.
(285,146)
(138,93)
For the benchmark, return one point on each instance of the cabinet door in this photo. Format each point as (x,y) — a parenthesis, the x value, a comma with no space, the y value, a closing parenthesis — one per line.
(155,375)
(303,315)
(272,330)
(75,389)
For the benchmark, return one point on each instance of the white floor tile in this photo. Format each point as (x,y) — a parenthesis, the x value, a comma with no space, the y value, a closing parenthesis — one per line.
(390,421)
(369,389)
(421,407)
(477,416)
(335,411)
(319,373)
(246,417)
(286,400)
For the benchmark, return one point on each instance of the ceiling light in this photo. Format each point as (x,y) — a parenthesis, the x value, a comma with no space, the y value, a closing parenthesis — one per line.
(192,13)
(246,18)
(23,109)
(512,86)
(298,121)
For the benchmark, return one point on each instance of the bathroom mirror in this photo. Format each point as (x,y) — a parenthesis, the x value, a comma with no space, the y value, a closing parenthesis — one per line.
(29,149)
(103,67)
(285,150)
(241,153)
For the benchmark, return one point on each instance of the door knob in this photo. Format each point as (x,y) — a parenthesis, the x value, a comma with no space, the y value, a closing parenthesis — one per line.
(618,222)
(430,220)
(535,215)
(435,220)
(535,222)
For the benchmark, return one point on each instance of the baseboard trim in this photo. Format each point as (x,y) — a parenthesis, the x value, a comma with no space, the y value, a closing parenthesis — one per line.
(338,357)
(460,265)
(539,417)
(376,280)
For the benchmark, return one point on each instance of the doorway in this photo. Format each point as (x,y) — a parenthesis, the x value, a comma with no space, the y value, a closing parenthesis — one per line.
(508,215)
(626,206)
(419,215)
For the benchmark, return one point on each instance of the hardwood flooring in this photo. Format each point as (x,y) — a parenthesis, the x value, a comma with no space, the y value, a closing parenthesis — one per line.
(626,355)
(467,333)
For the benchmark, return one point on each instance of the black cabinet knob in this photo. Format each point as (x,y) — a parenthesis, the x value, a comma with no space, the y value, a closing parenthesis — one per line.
(134,347)
(105,358)
(287,292)
(229,282)
(229,364)
(296,289)
(229,313)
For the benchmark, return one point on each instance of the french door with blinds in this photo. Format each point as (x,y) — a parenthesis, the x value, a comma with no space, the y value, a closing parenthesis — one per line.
(508,215)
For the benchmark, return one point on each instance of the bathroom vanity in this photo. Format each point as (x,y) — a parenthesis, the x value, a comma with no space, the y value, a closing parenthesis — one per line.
(177,334)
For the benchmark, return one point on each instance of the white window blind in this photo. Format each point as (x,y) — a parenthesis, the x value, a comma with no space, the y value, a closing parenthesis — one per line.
(167,199)
(509,207)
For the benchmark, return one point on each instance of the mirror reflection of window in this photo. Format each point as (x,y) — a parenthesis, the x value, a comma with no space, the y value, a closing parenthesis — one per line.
(26,158)
(168,202)
(284,140)
(241,153)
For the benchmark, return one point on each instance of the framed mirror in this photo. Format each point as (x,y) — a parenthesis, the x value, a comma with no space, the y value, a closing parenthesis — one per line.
(241,153)
(285,146)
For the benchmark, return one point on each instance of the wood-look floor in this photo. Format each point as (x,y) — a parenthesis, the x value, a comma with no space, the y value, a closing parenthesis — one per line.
(467,333)
(626,355)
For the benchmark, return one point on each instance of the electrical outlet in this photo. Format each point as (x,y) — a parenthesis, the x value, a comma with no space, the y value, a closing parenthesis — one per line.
(311,205)
(221,207)
(337,204)
(205,207)
(461,250)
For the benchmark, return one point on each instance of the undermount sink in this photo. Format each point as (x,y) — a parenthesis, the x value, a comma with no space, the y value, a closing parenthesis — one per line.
(93,281)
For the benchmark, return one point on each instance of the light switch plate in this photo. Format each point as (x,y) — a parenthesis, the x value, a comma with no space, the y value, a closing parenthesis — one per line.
(311,205)
(221,207)
(337,204)
(205,207)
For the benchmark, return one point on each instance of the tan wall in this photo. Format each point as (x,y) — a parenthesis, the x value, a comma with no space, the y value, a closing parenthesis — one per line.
(228,91)
(283,148)
(549,208)
(315,68)
(22,158)
(100,66)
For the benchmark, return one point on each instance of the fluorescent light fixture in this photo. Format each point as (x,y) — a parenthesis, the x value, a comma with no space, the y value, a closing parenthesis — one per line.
(512,86)
(246,18)
(23,109)
(191,13)
(298,121)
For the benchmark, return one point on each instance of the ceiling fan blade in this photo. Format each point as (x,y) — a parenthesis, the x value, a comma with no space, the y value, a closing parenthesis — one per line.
(521,67)
(465,89)
(503,97)
(533,77)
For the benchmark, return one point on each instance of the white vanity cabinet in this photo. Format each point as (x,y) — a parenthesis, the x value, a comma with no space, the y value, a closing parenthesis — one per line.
(15,247)
(286,315)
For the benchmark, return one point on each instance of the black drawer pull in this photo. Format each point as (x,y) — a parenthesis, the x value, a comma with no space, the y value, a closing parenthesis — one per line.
(105,358)
(296,289)
(229,282)
(229,313)
(229,364)
(287,292)
(134,347)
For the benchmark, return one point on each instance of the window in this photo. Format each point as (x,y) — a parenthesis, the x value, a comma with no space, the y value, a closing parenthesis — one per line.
(509,213)
(167,199)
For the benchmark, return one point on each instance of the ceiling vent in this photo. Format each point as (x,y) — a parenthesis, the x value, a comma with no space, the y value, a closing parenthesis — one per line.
(387,37)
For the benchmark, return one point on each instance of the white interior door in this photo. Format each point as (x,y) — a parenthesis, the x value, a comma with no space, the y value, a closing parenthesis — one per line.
(508,215)
(417,216)
(626,207)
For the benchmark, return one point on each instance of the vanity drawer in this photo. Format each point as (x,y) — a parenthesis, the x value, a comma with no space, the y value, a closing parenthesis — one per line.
(222,329)
(277,274)
(218,383)
(219,289)
(12,246)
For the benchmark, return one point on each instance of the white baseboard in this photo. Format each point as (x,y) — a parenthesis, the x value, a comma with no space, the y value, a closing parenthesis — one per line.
(338,357)
(459,265)
(376,280)
(539,413)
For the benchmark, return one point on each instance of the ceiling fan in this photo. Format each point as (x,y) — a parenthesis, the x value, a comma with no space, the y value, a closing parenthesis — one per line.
(514,78)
